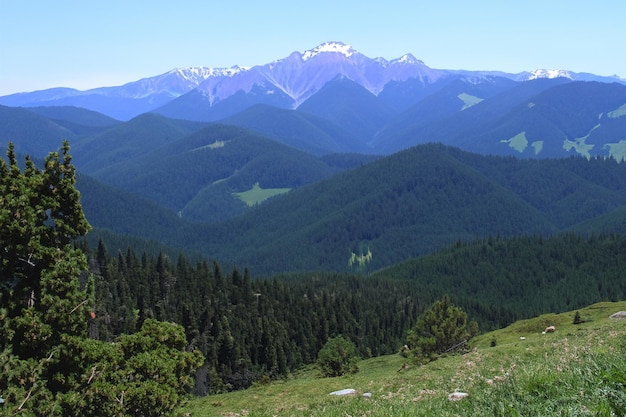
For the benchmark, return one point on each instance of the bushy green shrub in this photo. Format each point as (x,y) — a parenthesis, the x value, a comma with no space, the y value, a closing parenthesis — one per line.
(338,357)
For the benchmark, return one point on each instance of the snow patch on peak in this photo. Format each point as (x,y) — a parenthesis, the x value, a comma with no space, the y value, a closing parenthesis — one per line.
(336,47)
(408,59)
(202,73)
(546,73)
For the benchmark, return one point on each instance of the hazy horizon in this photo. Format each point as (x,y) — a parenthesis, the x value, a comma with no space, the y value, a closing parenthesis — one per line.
(82,45)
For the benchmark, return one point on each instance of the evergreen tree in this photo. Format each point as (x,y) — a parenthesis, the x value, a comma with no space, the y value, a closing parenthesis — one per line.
(440,329)
(48,365)
(577,318)
(42,300)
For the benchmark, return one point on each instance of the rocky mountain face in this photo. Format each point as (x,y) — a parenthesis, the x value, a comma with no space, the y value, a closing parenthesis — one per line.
(300,75)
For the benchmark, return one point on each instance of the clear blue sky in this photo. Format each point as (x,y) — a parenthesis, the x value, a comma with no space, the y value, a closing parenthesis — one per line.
(85,44)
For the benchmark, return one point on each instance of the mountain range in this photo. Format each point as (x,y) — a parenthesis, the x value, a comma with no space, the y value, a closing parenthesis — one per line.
(334,99)
(328,158)
(285,83)
(199,188)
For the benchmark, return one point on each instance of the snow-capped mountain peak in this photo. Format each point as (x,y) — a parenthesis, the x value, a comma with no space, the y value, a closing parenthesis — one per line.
(553,73)
(336,47)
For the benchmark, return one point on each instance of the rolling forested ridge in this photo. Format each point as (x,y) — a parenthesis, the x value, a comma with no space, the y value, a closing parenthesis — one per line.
(405,205)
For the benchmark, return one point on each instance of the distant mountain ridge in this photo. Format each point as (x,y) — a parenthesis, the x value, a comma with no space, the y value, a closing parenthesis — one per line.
(286,82)
(121,102)
(540,118)
(161,174)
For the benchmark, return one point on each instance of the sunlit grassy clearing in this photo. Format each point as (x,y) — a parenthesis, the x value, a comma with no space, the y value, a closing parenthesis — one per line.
(517,142)
(579,144)
(617,150)
(257,194)
(469,100)
(621,111)
(575,371)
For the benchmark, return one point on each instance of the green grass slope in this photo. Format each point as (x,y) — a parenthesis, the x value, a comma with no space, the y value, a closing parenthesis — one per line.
(578,370)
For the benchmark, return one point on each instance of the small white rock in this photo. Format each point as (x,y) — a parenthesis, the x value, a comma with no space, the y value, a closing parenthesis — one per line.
(347,391)
(456,396)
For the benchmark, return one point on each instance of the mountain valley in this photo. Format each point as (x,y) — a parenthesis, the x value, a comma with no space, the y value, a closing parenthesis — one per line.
(269,209)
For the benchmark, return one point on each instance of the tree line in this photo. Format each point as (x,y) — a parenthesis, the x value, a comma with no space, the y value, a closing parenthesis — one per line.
(249,328)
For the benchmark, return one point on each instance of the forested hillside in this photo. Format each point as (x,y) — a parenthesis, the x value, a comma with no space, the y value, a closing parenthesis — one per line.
(397,207)
(198,174)
(245,327)
(31,133)
(526,276)
(536,119)
(415,202)
(376,212)
(307,132)
(126,141)
(249,327)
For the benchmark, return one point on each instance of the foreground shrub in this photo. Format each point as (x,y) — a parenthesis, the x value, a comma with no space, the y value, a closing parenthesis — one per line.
(338,357)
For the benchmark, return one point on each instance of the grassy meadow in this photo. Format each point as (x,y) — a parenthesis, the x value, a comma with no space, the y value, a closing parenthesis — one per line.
(257,195)
(579,370)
